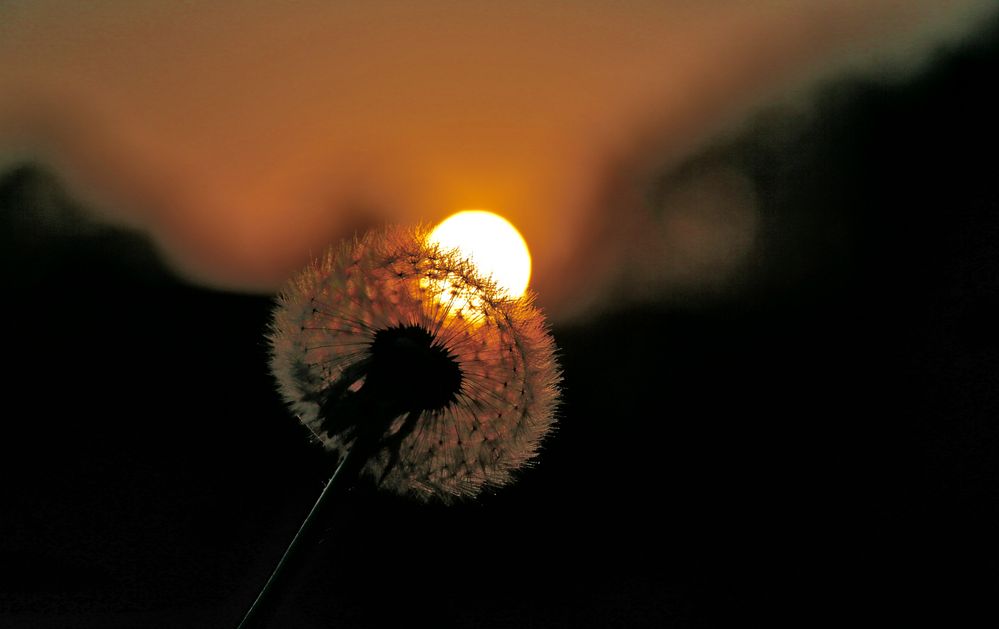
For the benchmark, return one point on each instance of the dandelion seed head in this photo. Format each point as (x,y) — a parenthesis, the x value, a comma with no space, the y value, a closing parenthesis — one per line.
(466,378)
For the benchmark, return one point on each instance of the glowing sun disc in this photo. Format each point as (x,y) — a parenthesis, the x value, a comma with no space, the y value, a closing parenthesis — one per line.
(494,246)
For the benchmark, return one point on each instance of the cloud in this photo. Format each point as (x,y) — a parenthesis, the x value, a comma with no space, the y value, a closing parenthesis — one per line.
(245,136)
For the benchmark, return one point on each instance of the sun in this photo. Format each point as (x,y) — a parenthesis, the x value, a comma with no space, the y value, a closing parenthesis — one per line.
(493,245)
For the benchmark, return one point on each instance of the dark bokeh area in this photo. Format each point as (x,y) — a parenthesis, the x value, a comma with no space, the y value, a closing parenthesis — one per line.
(820,441)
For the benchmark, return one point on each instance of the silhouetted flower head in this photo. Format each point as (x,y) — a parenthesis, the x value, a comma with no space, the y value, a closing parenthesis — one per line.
(395,343)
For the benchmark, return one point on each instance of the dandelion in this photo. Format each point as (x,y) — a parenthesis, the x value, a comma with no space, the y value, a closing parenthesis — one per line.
(398,347)
(416,371)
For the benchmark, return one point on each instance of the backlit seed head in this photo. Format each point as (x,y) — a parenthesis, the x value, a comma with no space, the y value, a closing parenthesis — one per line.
(393,342)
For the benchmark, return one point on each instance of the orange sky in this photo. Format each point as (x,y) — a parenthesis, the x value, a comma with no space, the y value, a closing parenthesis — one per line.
(245,136)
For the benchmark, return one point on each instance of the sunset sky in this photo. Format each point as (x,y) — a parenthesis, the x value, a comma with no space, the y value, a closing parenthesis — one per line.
(246,136)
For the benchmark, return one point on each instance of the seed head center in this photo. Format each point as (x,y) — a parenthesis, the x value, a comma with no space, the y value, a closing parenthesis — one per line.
(407,364)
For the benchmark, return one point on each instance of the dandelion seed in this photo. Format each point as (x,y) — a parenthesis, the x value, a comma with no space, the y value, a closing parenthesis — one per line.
(396,347)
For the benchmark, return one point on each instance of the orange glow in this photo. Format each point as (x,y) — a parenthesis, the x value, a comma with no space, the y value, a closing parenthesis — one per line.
(244,136)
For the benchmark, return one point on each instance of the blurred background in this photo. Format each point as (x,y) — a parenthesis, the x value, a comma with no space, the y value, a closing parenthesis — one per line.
(765,235)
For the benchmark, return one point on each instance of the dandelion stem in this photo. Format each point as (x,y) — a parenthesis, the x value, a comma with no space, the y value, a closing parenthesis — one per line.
(254,614)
